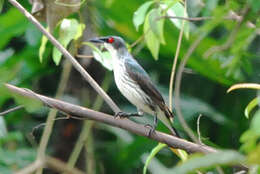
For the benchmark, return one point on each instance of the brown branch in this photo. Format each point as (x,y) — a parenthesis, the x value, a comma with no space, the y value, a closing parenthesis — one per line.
(66,54)
(178,86)
(11,110)
(126,124)
(51,163)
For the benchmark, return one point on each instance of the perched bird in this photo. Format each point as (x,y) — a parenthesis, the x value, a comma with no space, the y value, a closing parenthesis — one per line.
(135,84)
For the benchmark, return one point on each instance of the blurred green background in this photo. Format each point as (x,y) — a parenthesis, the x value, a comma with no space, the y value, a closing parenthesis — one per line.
(113,150)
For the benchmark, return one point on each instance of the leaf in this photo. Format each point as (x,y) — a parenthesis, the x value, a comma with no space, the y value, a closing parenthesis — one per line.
(44,41)
(152,154)
(251,106)
(177,10)
(157,25)
(69,30)
(209,160)
(254,156)
(139,14)
(255,123)
(103,57)
(244,85)
(151,40)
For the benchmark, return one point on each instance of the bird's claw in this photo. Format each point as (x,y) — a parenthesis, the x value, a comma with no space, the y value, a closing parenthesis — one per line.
(151,129)
(121,115)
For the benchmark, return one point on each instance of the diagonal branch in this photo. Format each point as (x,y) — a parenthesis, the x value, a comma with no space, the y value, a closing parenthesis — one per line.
(126,124)
(66,54)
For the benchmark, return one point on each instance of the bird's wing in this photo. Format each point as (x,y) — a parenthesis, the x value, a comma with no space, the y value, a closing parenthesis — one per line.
(138,74)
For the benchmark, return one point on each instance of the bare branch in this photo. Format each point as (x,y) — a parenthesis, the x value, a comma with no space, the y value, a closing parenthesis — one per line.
(66,54)
(31,167)
(108,119)
(11,110)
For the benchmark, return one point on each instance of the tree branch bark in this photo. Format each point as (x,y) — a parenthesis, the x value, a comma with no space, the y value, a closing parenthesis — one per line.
(126,124)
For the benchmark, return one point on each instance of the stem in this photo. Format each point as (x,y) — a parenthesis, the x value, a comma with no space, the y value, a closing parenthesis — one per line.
(174,66)
(52,114)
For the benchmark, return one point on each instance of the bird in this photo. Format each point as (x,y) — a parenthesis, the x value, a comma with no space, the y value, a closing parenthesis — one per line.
(135,84)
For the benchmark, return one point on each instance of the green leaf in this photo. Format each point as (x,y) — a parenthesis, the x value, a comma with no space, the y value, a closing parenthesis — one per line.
(151,40)
(152,154)
(69,30)
(255,123)
(251,106)
(139,14)
(44,41)
(177,10)
(157,25)
(254,156)
(103,57)
(209,160)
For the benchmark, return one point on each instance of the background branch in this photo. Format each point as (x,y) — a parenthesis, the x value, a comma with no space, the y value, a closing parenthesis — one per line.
(126,124)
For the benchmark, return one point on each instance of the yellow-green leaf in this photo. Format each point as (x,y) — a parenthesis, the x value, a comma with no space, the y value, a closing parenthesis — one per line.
(139,14)
(103,57)
(44,41)
(152,154)
(177,10)
(244,85)
(251,106)
(152,42)
(156,24)
(69,30)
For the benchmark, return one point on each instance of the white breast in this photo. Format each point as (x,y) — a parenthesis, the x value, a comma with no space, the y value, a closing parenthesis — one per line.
(128,87)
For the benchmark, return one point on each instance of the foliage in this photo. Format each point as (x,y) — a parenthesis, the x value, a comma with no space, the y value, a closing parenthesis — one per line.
(228,54)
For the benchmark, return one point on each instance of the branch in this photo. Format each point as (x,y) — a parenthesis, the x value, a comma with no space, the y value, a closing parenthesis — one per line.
(66,54)
(11,110)
(126,124)
(178,86)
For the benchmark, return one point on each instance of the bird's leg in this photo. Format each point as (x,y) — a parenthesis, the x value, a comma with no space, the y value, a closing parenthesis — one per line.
(127,115)
(152,127)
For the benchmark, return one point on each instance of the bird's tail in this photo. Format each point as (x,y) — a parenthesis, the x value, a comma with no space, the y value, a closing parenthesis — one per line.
(181,153)
(170,115)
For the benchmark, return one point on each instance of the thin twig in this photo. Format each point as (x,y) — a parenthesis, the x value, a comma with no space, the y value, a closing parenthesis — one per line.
(31,167)
(86,128)
(60,166)
(178,86)
(85,56)
(137,41)
(198,128)
(231,37)
(174,65)
(53,112)
(66,54)
(126,124)
(11,110)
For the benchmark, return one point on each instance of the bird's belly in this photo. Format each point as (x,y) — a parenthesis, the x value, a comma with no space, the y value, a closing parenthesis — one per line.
(131,91)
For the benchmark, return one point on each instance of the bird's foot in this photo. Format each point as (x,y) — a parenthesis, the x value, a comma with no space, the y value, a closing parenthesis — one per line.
(126,115)
(151,129)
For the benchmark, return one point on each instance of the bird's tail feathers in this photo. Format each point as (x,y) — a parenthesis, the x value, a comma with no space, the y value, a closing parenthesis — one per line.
(170,115)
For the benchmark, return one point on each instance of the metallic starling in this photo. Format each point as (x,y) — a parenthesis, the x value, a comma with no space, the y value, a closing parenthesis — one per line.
(135,84)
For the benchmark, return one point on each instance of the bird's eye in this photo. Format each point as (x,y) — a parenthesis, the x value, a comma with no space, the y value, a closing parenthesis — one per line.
(111,40)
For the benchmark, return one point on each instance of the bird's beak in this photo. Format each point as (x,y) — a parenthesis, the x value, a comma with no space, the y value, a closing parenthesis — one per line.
(97,40)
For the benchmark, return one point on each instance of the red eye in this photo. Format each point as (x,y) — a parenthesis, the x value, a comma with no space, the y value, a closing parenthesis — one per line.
(111,40)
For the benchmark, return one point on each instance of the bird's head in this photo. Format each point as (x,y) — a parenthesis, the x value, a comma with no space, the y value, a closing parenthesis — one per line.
(112,43)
